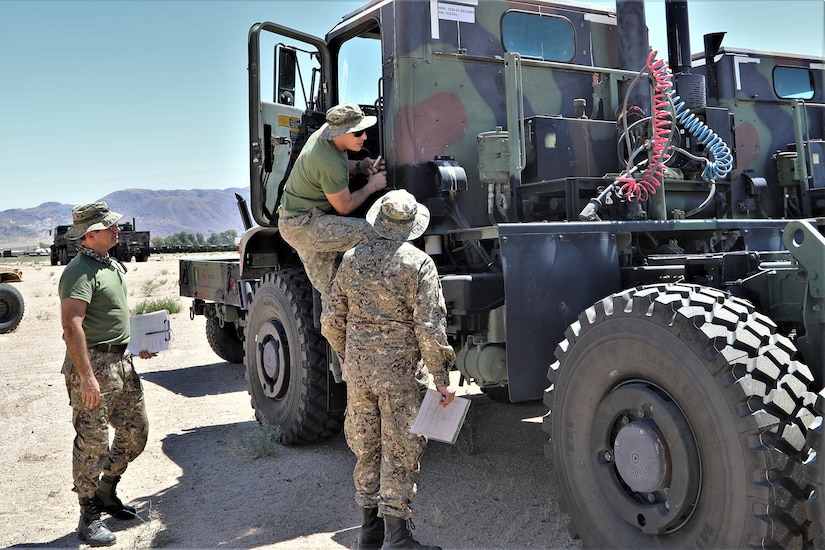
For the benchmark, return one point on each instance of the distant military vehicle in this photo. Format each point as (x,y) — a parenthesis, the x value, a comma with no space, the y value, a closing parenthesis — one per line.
(130,244)
(62,249)
(12,305)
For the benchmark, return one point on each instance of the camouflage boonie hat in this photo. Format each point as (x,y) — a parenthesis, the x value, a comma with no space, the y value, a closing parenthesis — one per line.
(398,217)
(344,118)
(91,216)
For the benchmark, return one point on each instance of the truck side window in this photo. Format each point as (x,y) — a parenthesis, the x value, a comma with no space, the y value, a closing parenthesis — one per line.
(359,69)
(538,36)
(793,83)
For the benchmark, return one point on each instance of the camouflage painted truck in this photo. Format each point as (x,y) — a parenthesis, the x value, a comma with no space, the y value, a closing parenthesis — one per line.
(130,244)
(636,238)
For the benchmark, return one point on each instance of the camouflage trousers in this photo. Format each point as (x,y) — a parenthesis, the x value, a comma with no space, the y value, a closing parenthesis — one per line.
(377,428)
(319,239)
(121,406)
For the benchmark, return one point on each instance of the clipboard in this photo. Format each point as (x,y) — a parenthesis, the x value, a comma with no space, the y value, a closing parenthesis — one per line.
(440,423)
(150,332)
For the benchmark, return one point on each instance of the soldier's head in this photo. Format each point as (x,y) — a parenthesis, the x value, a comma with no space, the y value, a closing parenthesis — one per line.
(398,217)
(94,218)
(346,126)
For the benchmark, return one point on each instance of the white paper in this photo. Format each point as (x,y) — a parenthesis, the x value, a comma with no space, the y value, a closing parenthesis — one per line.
(150,332)
(440,423)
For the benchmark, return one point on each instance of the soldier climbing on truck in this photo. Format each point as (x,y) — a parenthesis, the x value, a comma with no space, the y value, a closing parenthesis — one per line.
(635,238)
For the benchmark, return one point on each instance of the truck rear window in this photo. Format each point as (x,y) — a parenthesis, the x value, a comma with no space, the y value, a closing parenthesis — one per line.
(538,36)
(793,83)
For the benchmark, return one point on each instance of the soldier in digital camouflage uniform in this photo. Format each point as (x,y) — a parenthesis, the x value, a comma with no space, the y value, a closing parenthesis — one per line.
(100,378)
(386,319)
(316,199)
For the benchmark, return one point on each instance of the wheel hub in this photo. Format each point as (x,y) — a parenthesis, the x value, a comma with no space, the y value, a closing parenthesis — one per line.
(272,359)
(641,457)
(646,458)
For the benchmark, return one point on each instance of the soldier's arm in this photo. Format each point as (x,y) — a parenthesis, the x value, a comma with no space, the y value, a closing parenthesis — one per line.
(430,318)
(334,319)
(72,313)
(345,201)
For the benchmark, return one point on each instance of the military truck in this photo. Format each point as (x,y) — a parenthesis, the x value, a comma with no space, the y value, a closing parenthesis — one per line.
(130,244)
(12,305)
(62,249)
(633,237)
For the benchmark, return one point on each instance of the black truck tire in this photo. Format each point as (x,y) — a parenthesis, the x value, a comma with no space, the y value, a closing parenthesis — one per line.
(224,341)
(285,357)
(678,419)
(11,308)
(815,475)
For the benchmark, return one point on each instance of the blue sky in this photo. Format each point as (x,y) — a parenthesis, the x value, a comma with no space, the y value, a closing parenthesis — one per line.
(100,95)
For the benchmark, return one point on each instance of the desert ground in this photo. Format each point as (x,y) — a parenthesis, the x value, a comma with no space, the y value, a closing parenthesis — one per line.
(198,486)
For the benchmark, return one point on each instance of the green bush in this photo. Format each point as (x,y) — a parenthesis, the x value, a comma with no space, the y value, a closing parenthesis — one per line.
(171,305)
(261,441)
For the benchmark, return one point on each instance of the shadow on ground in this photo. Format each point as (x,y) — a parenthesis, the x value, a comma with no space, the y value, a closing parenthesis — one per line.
(199,381)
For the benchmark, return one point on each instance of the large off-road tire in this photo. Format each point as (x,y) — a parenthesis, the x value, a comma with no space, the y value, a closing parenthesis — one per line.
(224,341)
(11,308)
(815,476)
(678,419)
(285,359)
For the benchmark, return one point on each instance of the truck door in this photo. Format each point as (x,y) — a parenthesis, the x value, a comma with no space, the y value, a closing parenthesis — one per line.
(289,92)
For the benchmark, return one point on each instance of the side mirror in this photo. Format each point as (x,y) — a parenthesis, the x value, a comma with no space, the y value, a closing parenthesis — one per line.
(287,63)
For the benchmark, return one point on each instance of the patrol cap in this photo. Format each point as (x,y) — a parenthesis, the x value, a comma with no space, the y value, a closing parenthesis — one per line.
(347,117)
(398,217)
(91,216)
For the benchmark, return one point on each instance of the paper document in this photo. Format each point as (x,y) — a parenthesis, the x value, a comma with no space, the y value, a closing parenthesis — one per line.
(150,332)
(437,422)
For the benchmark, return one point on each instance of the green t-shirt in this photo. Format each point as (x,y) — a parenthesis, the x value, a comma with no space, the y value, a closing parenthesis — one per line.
(320,170)
(104,290)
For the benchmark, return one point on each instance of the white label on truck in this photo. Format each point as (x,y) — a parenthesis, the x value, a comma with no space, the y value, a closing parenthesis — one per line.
(462,11)
(455,12)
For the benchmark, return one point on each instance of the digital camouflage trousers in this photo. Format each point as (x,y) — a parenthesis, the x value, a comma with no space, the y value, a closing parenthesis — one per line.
(121,406)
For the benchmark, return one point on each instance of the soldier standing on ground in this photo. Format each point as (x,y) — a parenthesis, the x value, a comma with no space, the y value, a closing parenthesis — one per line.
(316,199)
(100,378)
(386,314)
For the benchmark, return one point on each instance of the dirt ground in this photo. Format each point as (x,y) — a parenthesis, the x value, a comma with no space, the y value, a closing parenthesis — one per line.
(195,486)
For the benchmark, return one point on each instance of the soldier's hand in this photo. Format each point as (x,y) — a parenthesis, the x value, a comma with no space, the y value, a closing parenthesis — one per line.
(90,391)
(146,355)
(377,181)
(447,394)
(373,166)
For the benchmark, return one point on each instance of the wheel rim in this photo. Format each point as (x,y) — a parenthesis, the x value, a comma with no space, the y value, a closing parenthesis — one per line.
(272,359)
(4,310)
(646,458)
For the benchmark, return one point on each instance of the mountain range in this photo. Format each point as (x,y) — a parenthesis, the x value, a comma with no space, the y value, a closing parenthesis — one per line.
(161,212)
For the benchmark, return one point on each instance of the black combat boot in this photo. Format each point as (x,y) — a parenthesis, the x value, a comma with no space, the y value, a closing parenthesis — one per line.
(371,535)
(397,535)
(90,528)
(106,499)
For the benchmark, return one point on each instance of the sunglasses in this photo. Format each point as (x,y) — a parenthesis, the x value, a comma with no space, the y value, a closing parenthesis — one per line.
(359,133)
